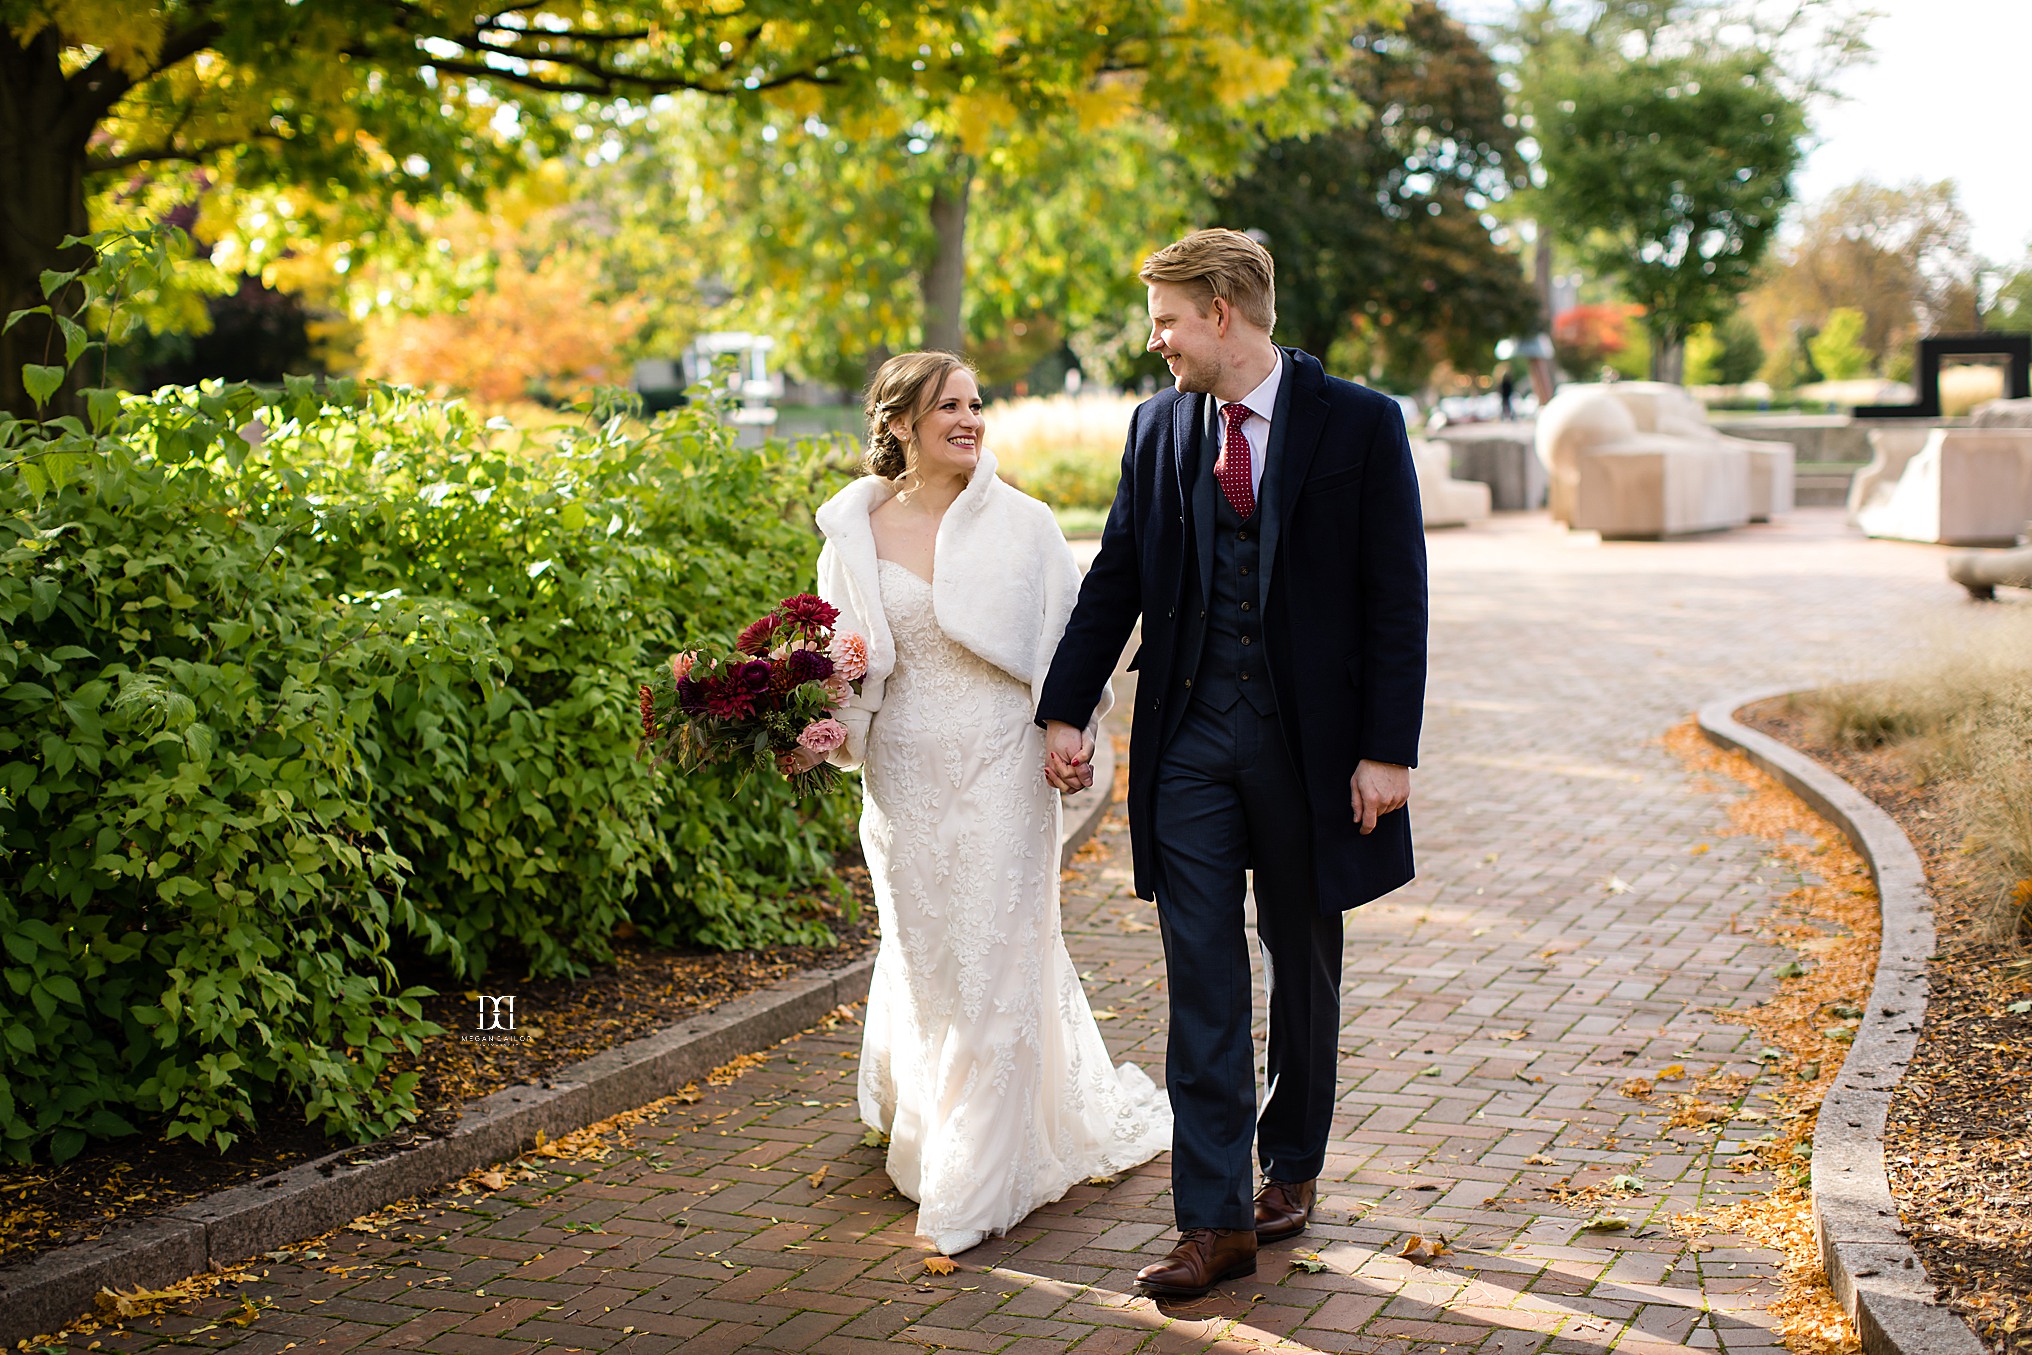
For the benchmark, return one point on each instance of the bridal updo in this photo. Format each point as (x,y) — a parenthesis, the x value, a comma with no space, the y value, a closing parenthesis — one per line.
(906,386)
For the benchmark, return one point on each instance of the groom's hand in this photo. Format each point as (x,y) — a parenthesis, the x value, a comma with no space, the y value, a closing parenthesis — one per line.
(1068,757)
(1377,788)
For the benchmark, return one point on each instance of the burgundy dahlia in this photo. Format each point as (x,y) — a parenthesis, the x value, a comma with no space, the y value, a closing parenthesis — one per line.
(728,701)
(752,676)
(808,611)
(756,637)
(648,713)
(808,665)
(691,697)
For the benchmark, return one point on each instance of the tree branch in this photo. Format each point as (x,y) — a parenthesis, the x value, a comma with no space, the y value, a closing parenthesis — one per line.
(604,81)
(106,164)
(95,89)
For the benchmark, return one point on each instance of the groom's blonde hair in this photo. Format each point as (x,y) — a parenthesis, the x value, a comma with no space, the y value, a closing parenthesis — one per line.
(1220,263)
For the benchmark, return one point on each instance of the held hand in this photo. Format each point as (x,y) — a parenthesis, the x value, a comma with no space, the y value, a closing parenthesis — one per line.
(798,760)
(1068,757)
(1377,788)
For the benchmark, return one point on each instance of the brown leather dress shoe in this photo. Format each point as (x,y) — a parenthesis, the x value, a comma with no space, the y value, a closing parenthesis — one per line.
(1283,1208)
(1202,1259)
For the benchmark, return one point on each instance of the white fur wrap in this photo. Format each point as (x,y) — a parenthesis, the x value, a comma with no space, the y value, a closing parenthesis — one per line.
(1003,584)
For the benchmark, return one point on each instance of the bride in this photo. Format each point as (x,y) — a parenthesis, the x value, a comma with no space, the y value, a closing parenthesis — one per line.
(980,1059)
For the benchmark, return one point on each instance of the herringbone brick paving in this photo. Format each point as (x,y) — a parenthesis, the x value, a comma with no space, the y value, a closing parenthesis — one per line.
(1564,935)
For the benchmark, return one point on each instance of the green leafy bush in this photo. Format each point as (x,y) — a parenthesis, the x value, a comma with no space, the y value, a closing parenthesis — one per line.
(307,694)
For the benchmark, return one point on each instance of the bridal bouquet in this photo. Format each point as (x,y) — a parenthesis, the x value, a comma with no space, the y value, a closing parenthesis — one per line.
(775,694)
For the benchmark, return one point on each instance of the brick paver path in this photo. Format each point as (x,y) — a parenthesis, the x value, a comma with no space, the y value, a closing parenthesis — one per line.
(1562,937)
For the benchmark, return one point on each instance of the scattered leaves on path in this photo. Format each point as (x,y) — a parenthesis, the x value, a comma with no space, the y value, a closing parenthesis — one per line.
(1831,913)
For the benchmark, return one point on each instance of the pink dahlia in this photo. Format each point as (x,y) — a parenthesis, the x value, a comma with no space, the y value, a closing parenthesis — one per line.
(823,736)
(682,664)
(849,655)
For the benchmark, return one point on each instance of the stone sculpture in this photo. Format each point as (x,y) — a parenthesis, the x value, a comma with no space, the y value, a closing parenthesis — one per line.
(1639,459)
(1955,486)
(1984,572)
(1445,501)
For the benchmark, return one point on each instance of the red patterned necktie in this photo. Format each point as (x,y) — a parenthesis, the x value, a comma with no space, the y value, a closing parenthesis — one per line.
(1231,468)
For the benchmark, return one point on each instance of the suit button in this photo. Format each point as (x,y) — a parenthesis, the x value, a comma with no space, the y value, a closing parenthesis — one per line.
(1245,677)
(1188,683)
(1245,571)
(1202,613)
(1242,535)
(1245,639)
(1248,606)
(1171,614)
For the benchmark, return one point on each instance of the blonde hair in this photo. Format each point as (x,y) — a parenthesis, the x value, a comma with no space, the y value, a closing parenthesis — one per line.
(905,387)
(1220,263)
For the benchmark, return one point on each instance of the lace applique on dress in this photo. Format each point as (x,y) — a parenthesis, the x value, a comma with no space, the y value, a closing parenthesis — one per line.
(981,1059)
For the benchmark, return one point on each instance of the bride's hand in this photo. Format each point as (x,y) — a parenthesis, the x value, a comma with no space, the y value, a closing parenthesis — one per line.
(798,760)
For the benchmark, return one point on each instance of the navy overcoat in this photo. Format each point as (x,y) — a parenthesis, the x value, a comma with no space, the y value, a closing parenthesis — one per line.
(1344,609)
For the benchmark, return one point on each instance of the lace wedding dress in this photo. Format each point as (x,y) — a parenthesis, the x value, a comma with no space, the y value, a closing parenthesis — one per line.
(981,1059)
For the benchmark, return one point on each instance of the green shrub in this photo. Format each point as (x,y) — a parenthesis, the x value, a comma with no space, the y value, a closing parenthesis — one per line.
(280,720)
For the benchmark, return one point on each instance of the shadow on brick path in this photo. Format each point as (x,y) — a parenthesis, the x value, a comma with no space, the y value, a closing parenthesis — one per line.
(1563,936)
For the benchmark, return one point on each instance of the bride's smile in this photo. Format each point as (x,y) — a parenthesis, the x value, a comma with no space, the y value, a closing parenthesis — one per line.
(948,435)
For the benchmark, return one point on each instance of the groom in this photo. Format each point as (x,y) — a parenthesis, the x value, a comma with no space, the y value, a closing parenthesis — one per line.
(1267,532)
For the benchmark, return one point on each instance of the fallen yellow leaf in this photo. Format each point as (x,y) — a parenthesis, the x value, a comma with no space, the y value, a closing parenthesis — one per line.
(817,1178)
(1672,1072)
(492,1180)
(137,1302)
(940,1265)
(1423,1250)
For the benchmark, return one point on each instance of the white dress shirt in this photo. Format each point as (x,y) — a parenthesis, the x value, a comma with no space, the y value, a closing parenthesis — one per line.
(1262,402)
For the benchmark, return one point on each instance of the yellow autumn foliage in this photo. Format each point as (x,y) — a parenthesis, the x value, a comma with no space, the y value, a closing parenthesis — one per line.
(129,34)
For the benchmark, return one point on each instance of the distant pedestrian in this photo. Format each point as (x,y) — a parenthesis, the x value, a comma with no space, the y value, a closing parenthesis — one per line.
(1507,387)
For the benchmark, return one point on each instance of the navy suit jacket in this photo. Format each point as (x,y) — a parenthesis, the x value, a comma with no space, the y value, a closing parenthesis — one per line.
(1343,605)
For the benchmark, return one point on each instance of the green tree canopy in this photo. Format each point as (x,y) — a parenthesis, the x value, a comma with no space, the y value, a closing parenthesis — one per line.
(1667,154)
(1382,228)
(307,120)
(1838,349)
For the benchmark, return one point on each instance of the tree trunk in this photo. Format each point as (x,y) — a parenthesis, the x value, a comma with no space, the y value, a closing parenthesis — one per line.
(1668,357)
(42,162)
(944,282)
(1541,271)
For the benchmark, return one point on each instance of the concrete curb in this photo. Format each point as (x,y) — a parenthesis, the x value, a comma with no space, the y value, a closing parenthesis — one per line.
(46,1293)
(1870,1266)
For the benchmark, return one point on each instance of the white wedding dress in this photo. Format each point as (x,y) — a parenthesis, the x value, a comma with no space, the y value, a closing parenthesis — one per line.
(981,1059)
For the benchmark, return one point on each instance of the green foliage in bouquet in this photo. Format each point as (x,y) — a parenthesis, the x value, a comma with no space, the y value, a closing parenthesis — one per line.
(307,693)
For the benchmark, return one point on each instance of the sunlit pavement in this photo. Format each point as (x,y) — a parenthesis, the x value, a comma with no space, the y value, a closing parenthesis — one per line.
(1563,936)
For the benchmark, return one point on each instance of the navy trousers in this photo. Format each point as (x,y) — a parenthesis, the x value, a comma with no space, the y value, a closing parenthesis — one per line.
(1228,800)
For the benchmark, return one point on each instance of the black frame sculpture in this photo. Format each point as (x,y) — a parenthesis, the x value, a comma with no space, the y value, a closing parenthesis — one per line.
(2015,349)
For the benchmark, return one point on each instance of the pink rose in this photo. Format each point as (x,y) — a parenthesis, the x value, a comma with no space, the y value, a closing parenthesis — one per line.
(838,690)
(849,654)
(681,665)
(823,736)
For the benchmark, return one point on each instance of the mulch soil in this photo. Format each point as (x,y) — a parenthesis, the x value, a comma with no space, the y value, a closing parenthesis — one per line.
(1959,1142)
(561,1021)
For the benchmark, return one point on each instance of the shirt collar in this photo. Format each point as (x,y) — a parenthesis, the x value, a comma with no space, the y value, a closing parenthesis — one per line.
(1262,401)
